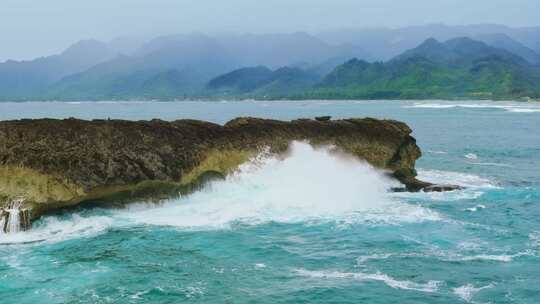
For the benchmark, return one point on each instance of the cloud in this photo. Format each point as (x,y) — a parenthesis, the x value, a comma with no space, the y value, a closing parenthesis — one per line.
(30,28)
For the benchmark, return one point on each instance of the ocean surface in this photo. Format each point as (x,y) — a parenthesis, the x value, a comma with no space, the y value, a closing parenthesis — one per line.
(312,228)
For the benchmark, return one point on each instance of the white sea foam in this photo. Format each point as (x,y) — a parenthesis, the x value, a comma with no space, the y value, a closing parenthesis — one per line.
(430,286)
(513,108)
(491,164)
(504,258)
(486,257)
(445,255)
(377,256)
(471,156)
(456,178)
(468,291)
(432,106)
(437,152)
(53,229)
(476,208)
(523,110)
(474,185)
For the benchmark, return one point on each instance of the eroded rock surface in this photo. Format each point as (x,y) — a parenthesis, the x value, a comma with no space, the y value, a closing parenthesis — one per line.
(58,163)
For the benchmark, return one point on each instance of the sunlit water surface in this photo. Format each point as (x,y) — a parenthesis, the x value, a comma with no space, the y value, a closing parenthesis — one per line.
(311,228)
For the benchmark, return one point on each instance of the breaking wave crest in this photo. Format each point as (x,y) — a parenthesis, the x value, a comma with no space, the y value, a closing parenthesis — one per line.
(513,108)
(308,185)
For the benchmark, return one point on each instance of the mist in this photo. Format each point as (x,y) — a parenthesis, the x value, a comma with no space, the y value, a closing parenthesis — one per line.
(31,29)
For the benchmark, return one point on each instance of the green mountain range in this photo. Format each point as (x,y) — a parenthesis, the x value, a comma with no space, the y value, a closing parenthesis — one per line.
(261,82)
(271,67)
(457,68)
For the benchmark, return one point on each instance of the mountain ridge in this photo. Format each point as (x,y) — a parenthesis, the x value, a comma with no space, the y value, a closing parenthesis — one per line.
(192,66)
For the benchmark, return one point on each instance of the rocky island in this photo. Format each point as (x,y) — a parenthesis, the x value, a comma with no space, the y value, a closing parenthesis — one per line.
(48,164)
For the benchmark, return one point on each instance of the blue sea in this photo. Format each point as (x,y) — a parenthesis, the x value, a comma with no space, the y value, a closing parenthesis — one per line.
(311,228)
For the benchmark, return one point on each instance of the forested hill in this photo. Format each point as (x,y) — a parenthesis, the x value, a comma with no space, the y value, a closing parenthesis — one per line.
(458,68)
(302,67)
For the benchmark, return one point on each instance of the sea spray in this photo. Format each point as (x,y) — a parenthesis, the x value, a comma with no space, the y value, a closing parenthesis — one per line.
(307,184)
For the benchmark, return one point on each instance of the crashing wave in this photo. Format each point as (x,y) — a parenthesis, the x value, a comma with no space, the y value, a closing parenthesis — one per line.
(309,185)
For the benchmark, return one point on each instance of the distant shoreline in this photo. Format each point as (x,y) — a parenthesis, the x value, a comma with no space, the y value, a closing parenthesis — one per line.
(460,99)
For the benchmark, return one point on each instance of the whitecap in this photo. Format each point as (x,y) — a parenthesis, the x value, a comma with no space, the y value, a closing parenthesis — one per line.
(512,108)
(487,257)
(522,110)
(467,292)
(456,178)
(430,286)
(471,156)
(437,152)
(476,208)
(491,164)
(432,106)
(378,256)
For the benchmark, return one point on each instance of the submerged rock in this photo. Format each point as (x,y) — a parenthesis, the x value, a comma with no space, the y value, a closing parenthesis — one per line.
(441,188)
(60,163)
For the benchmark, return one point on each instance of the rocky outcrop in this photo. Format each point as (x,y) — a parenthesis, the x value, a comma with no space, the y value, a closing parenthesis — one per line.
(59,163)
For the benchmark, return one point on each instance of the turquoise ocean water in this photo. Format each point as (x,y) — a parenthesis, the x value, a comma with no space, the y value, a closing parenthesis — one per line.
(312,228)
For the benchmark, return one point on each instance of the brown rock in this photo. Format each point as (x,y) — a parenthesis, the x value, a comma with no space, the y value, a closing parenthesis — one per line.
(323,118)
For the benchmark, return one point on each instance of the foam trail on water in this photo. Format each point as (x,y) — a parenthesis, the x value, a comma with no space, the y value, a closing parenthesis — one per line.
(510,107)
(431,286)
(456,178)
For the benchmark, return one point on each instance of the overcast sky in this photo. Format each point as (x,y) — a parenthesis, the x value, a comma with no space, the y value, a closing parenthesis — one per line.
(30,28)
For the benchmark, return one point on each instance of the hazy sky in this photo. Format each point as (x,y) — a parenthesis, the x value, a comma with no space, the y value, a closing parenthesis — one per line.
(29,28)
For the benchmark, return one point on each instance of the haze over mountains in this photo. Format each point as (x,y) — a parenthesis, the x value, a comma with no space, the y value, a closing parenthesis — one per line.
(384,43)
(296,65)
